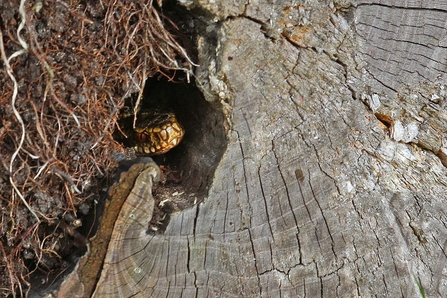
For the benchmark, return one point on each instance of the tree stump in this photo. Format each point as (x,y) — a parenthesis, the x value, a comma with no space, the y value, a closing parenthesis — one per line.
(334,179)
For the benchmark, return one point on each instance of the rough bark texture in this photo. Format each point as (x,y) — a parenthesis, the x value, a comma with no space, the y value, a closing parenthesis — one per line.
(333,181)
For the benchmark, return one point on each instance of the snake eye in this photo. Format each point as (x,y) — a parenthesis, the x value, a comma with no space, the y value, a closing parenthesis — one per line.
(142,137)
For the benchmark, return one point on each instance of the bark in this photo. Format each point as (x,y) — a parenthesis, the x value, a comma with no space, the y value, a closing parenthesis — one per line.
(333,181)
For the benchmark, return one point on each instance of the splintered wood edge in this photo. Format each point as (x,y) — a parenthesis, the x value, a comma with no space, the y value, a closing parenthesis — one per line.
(132,185)
(130,230)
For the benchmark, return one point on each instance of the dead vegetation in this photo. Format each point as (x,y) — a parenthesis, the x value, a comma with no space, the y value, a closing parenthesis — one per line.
(66,68)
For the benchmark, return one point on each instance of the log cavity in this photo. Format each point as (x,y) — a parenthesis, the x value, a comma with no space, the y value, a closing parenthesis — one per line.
(188,169)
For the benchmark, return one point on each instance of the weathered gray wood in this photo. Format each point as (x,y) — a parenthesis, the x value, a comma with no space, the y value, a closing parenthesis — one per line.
(125,265)
(313,197)
(332,183)
(128,210)
(404,43)
(404,47)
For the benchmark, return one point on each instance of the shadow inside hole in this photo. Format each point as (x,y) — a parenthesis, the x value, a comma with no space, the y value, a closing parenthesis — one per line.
(188,169)
(204,143)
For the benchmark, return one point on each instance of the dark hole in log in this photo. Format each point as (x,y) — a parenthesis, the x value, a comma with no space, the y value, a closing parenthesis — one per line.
(188,168)
(205,140)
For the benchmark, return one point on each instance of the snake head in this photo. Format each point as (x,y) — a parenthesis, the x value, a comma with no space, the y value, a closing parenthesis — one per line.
(157,133)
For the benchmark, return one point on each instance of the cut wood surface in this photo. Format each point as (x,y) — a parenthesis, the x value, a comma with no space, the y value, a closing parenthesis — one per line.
(125,265)
(126,216)
(333,182)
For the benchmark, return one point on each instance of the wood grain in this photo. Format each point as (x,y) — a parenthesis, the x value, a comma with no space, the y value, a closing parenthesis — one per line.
(345,224)
(326,189)
(129,198)
(124,267)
